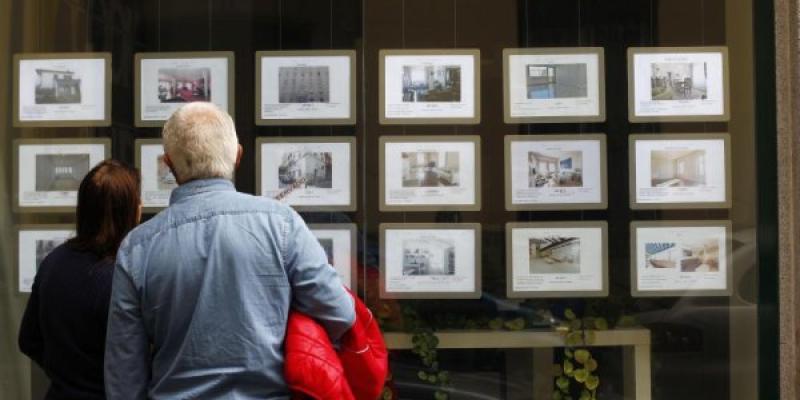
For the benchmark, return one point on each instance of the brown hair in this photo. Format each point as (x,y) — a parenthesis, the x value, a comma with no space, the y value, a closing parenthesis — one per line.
(108,208)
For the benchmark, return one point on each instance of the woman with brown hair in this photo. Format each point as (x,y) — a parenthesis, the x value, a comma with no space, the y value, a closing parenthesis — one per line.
(64,326)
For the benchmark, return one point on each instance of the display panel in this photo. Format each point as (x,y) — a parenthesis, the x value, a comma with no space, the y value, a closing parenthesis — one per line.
(62,89)
(670,84)
(430,261)
(157,182)
(555,172)
(557,259)
(165,81)
(554,85)
(435,86)
(316,87)
(34,243)
(430,173)
(308,173)
(681,258)
(49,171)
(339,243)
(680,171)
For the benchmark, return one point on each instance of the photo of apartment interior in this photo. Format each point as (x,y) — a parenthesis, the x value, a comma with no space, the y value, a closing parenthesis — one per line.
(57,87)
(183,85)
(678,81)
(431,83)
(165,179)
(60,172)
(327,245)
(430,168)
(556,81)
(696,256)
(429,256)
(306,169)
(309,84)
(44,247)
(557,169)
(684,168)
(554,255)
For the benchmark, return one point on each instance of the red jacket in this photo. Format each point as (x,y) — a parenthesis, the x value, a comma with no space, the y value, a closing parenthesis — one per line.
(313,368)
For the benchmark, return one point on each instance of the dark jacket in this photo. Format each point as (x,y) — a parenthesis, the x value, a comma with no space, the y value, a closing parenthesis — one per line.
(64,326)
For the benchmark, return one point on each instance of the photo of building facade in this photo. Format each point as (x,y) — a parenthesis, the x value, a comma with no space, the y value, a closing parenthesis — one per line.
(304,84)
(555,255)
(306,169)
(60,172)
(57,87)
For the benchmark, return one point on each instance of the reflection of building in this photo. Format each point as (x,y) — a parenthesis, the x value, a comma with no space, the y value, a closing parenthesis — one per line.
(555,254)
(428,256)
(178,85)
(678,81)
(694,257)
(551,81)
(430,168)
(54,86)
(431,83)
(678,168)
(303,84)
(313,167)
(563,169)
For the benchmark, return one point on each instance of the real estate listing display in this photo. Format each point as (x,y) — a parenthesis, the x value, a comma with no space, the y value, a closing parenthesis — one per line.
(429,173)
(542,85)
(339,243)
(62,89)
(678,84)
(308,173)
(555,172)
(165,81)
(49,171)
(681,258)
(34,243)
(680,171)
(429,86)
(430,261)
(157,179)
(557,259)
(307,87)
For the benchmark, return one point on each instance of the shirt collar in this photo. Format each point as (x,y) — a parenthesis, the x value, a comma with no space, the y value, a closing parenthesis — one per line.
(198,186)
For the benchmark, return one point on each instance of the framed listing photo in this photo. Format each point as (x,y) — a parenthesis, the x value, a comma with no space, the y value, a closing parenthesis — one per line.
(430,261)
(165,81)
(681,258)
(308,173)
(157,179)
(429,87)
(680,171)
(555,172)
(557,259)
(339,243)
(554,85)
(306,87)
(430,173)
(34,243)
(676,84)
(49,171)
(62,89)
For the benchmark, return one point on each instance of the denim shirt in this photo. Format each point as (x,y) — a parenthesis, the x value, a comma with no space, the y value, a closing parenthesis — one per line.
(201,294)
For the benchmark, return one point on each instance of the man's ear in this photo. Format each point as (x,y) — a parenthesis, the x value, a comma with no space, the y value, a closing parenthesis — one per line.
(239,156)
(168,161)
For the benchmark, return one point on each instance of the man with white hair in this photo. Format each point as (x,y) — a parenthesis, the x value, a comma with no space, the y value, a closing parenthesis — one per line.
(201,292)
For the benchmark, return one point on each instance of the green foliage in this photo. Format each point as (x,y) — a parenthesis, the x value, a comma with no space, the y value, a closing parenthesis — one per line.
(578,365)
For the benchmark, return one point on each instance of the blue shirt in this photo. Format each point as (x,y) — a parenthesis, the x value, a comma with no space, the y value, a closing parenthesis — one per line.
(201,295)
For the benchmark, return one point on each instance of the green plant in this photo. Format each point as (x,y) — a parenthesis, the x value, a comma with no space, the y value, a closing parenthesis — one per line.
(578,366)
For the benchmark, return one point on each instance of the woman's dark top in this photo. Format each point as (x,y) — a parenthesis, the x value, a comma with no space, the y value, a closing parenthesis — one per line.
(64,327)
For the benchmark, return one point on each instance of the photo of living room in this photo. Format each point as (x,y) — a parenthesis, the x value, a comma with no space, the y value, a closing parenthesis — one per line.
(683,168)
(430,168)
(687,256)
(556,81)
(678,81)
(555,169)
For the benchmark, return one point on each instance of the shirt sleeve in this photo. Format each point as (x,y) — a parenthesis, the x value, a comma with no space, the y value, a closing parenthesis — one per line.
(31,342)
(316,288)
(127,355)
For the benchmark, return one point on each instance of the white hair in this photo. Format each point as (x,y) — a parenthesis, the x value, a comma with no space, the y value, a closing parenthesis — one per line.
(200,140)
